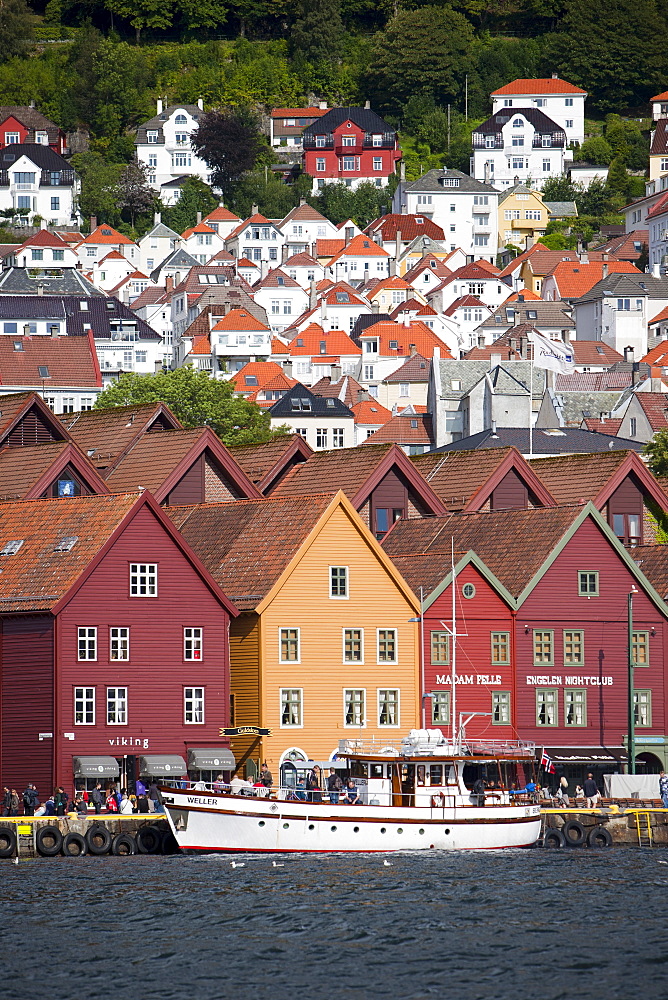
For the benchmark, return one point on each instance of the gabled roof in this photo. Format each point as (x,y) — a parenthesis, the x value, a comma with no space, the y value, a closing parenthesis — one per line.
(27,472)
(276,279)
(432,180)
(575,278)
(537,118)
(362,117)
(265,464)
(303,213)
(15,406)
(546,441)
(69,361)
(357,472)
(517,262)
(369,411)
(105,435)
(200,228)
(319,406)
(239,319)
(359,246)
(257,374)
(252,220)
(157,462)
(298,112)
(346,389)
(42,156)
(654,406)
(659,208)
(652,560)
(659,353)
(409,226)
(309,340)
(416,369)
(105,234)
(632,283)
(428,263)
(160,231)
(302,260)
(594,352)
(595,477)
(44,238)
(414,306)
(328,248)
(31,118)
(416,334)
(544,85)
(463,302)
(465,480)
(221,214)
(411,429)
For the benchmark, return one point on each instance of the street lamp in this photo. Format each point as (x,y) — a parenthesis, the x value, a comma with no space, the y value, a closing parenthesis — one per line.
(631,743)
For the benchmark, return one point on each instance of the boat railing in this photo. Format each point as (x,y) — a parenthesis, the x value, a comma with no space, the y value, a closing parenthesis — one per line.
(432,743)
(515,748)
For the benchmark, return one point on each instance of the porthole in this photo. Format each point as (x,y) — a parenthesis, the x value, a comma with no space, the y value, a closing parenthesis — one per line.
(286,826)
(333,829)
(311,826)
(421,832)
(468,590)
(447,831)
(400,830)
(261,823)
(383,830)
(356,829)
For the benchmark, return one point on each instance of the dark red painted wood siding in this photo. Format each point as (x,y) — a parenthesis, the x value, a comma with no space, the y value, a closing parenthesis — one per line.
(82,488)
(189,489)
(391,493)
(30,430)
(27,703)
(510,494)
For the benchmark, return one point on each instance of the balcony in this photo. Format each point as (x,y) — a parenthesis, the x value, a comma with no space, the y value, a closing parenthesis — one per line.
(555,141)
(483,141)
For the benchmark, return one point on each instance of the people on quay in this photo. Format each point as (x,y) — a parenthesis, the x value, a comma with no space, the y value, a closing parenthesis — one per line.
(79,806)
(125,808)
(591,792)
(111,801)
(154,796)
(579,793)
(6,801)
(30,800)
(562,791)
(50,806)
(266,777)
(351,795)
(97,798)
(313,785)
(133,801)
(663,788)
(142,804)
(14,802)
(60,800)
(140,787)
(334,786)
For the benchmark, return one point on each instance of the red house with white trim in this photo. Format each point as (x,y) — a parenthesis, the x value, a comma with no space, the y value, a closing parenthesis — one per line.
(350,145)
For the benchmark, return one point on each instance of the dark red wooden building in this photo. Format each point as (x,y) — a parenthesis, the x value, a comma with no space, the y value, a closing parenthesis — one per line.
(350,145)
(541,614)
(114,645)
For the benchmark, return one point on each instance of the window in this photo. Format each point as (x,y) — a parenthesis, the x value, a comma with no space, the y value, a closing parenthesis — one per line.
(511,213)
(518,140)
(55,206)
(569,123)
(501,708)
(87,643)
(151,137)
(377,163)
(587,584)
(181,160)
(540,102)
(440,708)
(500,642)
(181,138)
(573,648)
(546,166)
(338,581)
(624,305)
(11,138)
(468,590)
(642,708)
(84,706)
(117,706)
(348,140)
(664,166)
(354,713)
(543,647)
(348,162)
(68,403)
(575,707)
(57,254)
(533,214)
(11,328)
(386,516)
(508,103)
(481,199)
(320,163)
(320,141)
(192,643)
(23,202)
(387,645)
(337,437)
(289,645)
(321,437)
(119,643)
(440,647)
(37,254)
(518,163)
(143,579)
(480,241)
(291,706)
(353,645)
(404,389)
(640,649)
(424,199)
(24,177)
(193,705)
(569,102)
(546,707)
(388,707)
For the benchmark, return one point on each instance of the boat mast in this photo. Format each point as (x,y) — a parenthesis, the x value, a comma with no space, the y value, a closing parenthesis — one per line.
(453,657)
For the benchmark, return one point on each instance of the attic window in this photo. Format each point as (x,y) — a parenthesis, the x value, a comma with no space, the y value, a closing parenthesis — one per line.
(422,364)
(106,232)
(279,280)
(83,305)
(306,404)
(110,304)
(342,297)
(43,371)
(456,384)
(414,424)
(18,345)
(300,342)
(419,221)
(394,345)
(65,544)
(330,402)
(366,244)
(532,314)
(250,379)
(451,182)
(11,548)
(599,349)
(432,263)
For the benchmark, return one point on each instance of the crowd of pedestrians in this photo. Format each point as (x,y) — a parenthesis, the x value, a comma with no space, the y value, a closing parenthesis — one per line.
(115,800)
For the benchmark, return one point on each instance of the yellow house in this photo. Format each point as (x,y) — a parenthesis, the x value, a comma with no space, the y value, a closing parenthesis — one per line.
(521,214)
(326,645)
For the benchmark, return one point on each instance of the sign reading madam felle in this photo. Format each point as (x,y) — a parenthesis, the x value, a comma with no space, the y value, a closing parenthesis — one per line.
(486,679)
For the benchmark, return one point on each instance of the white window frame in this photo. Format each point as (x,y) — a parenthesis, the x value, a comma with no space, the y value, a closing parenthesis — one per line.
(287,628)
(143,572)
(117,699)
(389,725)
(88,636)
(291,725)
(343,645)
(396,646)
(193,643)
(445,718)
(120,636)
(87,696)
(362,723)
(190,696)
(339,597)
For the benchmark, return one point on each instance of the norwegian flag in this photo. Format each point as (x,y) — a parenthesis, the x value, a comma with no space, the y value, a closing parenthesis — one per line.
(547,763)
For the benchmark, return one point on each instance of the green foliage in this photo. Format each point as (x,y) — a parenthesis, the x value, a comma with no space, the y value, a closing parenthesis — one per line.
(229,142)
(134,194)
(197,400)
(339,203)
(99,187)
(317,34)
(594,150)
(272,196)
(657,452)
(557,241)
(618,181)
(196,196)
(15,28)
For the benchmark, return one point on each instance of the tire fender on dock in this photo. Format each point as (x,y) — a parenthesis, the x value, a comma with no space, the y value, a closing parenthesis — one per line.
(98,839)
(7,842)
(554,839)
(600,837)
(574,833)
(123,845)
(74,845)
(49,841)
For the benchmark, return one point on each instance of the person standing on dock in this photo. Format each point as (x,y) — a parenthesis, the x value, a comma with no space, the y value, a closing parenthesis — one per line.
(663,788)
(563,791)
(97,798)
(591,792)
(30,800)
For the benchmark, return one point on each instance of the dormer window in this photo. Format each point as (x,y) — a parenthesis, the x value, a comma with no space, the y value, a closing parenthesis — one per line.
(518,123)
(152,137)
(180,120)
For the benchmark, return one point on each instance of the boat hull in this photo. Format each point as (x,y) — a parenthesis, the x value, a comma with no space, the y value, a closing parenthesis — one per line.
(203,823)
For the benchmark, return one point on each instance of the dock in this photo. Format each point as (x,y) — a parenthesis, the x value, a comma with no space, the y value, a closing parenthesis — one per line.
(75,836)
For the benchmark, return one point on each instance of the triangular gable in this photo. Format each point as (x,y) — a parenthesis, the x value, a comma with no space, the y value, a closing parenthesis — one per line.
(209,442)
(513,460)
(162,418)
(146,500)
(395,456)
(632,465)
(74,457)
(22,430)
(469,559)
(339,501)
(297,450)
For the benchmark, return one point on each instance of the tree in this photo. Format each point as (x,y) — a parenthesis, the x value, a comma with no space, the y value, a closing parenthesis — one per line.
(15,28)
(100,192)
(229,142)
(197,400)
(657,449)
(618,180)
(595,150)
(196,196)
(317,34)
(134,192)
(426,51)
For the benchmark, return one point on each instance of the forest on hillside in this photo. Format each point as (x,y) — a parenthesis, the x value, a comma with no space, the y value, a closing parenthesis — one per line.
(99,65)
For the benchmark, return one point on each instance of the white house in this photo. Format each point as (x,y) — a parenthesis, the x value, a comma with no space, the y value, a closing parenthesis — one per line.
(473,279)
(323,421)
(239,338)
(359,260)
(559,100)
(519,145)
(101,241)
(657,223)
(618,308)
(222,221)
(202,242)
(163,146)
(257,239)
(465,208)
(303,226)
(44,250)
(156,246)
(282,298)
(304,269)
(468,312)
(36,181)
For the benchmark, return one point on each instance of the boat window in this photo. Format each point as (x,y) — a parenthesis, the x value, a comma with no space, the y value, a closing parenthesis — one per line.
(421,771)
(435,774)
(358,768)
(376,770)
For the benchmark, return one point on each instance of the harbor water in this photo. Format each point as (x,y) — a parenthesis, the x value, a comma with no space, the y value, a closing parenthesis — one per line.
(507,925)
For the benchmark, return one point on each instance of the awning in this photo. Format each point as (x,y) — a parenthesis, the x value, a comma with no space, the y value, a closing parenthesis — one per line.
(166,764)
(95,767)
(209,759)
(587,755)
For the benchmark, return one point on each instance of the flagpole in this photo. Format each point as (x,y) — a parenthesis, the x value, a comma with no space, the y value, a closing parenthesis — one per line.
(531,405)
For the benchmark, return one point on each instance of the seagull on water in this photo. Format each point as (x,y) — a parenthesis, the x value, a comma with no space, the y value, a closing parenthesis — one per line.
(275,864)
(660,862)
(15,860)
(387,864)
(238,864)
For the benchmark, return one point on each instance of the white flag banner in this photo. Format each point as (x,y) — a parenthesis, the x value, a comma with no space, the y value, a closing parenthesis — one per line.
(552,354)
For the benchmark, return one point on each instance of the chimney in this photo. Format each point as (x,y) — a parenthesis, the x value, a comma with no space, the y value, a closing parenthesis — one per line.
(566,336)
(157,218)
(322,105)
(347,235)
(402,170)
(555,76)
(169,282)
(362,394)
(629,354)
(312,295)
(393,268)
(158,105)
(523,347)
(529,242)
(200,103)
(375,307)
(367,105)
(366,275)
(412,349)
(254,210)
(487,174)
(43,224)
(302,201)
(520,298)
(40,289)
(516,180)
(512,344)
(437,354)
(284,253)
(406,318)
(199,218)
(604,271)
(53,330)
(287,368)
(656,270)
(32,104)
(336,372)
(635,371)
(397,245)
(495,359)
(93,223)
(323,311)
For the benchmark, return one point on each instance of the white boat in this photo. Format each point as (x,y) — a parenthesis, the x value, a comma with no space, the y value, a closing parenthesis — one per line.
(411,797)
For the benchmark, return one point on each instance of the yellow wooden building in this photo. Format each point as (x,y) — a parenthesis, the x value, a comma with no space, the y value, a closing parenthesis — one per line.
(522,214)
(324,647)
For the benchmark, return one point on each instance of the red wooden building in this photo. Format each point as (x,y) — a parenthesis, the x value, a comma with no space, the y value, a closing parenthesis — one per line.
(22,124)
(541,615)
(350,145)
(114,645)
